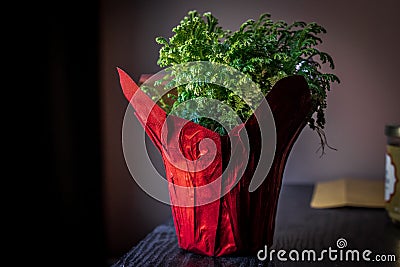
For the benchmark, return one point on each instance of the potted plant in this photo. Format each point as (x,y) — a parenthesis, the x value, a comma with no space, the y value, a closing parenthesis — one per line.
(276,60)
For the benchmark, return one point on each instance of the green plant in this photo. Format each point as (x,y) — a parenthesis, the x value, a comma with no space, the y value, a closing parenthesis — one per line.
(263,49)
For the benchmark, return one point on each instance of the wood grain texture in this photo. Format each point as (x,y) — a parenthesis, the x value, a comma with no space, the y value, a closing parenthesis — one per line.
(297,227)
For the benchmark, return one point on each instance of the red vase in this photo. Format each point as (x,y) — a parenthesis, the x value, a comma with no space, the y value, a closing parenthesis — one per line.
(240,221)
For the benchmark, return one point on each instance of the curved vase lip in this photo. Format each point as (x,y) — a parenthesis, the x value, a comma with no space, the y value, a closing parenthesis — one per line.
(288,79)
(130,91)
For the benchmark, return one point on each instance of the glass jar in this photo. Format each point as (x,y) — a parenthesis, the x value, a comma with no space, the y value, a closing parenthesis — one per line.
(392,175)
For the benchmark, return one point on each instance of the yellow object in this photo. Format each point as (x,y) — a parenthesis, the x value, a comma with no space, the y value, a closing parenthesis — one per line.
(349,192)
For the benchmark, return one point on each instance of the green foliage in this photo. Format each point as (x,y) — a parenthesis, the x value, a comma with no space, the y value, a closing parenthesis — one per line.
(263,49)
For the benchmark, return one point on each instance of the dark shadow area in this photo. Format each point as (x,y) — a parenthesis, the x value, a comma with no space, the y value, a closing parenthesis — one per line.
(60,197)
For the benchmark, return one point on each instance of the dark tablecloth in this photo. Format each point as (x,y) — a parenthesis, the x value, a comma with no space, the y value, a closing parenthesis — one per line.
(298,227)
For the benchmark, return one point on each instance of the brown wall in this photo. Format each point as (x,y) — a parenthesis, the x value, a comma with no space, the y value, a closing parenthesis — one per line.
(362,38)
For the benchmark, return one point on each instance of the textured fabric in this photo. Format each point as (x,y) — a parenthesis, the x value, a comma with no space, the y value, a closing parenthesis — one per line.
(160,248)
(239,221)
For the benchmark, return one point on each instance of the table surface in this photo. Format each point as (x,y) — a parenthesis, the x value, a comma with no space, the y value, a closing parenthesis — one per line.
(298,227)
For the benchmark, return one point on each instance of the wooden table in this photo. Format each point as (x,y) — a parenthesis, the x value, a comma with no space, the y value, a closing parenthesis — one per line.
(298,227)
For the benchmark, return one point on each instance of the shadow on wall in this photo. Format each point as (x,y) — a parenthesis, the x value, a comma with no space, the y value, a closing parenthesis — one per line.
(59,168)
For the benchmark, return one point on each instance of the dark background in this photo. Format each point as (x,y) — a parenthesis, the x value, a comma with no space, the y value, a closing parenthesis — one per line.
(56,212)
